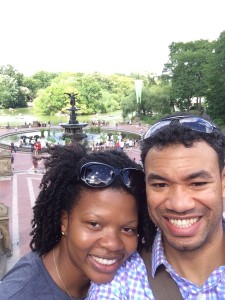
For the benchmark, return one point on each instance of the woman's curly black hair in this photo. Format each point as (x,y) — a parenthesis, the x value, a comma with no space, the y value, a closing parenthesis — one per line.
(61,190)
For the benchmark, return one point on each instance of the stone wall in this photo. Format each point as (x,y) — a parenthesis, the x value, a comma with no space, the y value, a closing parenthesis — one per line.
(5,163)
(5,239)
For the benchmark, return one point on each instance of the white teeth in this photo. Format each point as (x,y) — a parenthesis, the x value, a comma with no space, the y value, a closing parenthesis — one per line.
(104,261)
(183,223)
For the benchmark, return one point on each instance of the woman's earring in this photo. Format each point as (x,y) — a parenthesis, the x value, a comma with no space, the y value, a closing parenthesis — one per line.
(63,233)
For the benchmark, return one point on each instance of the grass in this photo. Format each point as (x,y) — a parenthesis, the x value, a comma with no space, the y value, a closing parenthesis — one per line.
(21,115)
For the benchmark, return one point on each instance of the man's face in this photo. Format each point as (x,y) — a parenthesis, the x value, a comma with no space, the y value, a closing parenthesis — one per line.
(185,195)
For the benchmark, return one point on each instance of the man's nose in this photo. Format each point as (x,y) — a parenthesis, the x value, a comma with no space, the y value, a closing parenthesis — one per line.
(180,199)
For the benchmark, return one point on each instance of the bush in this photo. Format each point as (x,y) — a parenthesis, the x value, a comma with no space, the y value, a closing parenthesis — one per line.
(96,129)
(42,132)
(151,119)
(219,122)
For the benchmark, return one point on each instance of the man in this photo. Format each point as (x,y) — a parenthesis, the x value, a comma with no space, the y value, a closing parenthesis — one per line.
(183,158)
(12,147)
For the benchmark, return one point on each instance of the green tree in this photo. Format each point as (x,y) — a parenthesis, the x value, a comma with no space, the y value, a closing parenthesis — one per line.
(38,81)
(114,88)
(96,93)
(90,94)
(154,99)
(186,70)
(14,93)
(216,81)
(9,90)
(53,99)
(128,104)
(160,99)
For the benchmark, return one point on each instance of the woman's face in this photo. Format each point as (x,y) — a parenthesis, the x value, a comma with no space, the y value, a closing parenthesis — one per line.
(100,233)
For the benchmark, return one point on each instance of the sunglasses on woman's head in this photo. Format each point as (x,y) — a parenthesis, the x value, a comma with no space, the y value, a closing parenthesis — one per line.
(98,175)
(194,123)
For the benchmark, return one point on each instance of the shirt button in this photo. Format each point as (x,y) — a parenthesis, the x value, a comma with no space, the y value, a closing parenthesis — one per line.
(200,296)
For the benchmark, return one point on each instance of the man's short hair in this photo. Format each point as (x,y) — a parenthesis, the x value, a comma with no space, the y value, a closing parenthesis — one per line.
(176,133)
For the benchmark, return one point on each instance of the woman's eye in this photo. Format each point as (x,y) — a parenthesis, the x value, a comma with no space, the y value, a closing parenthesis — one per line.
(94,224)
(130,230)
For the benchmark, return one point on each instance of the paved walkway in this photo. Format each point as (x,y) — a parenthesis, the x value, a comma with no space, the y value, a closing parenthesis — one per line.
(19,192)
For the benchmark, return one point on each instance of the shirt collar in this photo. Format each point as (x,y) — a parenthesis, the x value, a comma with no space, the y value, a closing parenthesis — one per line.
(158,256)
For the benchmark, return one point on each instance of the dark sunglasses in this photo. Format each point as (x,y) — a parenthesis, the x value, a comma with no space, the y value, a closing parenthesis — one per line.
(194,123)
(99,175)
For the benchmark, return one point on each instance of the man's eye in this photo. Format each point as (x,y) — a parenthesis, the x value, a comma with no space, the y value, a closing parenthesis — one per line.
(199,183)
(159,185)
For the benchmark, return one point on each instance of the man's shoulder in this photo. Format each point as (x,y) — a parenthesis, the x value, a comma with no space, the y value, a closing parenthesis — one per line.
(130,282)
(132,264)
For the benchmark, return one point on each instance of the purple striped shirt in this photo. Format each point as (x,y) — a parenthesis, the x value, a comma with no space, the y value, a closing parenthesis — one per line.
(131,281)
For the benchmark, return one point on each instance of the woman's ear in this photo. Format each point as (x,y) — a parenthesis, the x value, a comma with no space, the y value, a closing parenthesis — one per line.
(223,189)
(64,222)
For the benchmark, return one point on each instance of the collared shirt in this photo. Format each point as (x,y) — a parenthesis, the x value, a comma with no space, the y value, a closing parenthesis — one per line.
(212,289)
(131,280)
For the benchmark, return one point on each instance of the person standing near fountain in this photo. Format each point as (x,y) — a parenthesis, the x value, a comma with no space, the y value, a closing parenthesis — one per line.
(12,147)
(35,163)
(86,224)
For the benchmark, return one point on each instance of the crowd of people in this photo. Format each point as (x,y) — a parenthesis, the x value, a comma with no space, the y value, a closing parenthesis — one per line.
(103,228)
(119,144)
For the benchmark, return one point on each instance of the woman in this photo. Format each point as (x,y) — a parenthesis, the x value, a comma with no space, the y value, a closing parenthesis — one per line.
(85,225)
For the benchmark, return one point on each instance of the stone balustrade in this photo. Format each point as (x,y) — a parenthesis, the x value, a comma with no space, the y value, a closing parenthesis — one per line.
(5,163)
(5,239)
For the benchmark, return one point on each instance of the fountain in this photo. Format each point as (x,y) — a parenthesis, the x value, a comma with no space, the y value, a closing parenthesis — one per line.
(51,136)
(73,129)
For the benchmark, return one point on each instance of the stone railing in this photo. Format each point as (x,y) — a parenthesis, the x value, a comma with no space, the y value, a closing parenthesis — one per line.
(5,163)
(5,239)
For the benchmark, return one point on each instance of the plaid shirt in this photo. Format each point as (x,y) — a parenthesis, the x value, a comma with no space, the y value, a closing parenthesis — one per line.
(131,280)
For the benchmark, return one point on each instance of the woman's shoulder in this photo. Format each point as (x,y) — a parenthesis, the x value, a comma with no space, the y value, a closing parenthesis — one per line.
(22,275)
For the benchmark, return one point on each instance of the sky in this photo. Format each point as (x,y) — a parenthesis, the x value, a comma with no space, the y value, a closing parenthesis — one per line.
(106,36)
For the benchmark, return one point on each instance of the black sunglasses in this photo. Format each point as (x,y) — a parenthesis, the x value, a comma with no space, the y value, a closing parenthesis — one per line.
(194,123)
(97,175)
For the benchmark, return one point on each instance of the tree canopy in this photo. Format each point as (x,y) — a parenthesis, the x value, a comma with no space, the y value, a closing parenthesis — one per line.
(195,71)
(215,94)
(186,70)
(13,93)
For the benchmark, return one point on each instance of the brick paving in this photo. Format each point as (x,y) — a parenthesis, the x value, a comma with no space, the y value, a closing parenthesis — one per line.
(20,190)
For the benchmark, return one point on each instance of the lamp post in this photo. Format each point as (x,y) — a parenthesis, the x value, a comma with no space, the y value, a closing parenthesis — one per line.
(138,90)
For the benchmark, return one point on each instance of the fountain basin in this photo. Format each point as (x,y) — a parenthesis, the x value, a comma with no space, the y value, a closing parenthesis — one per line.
(55,136)
(74,131)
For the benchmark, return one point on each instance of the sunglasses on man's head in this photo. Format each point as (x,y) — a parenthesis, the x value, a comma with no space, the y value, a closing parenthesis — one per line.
(98,175)
(194,123)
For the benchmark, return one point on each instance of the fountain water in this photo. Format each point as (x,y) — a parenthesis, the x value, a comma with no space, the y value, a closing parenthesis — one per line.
(73,129)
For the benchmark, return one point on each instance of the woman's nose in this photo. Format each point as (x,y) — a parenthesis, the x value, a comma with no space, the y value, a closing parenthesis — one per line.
(112,241)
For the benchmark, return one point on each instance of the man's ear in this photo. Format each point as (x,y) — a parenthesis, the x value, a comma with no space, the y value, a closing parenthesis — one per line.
(64,222)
